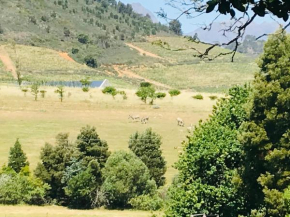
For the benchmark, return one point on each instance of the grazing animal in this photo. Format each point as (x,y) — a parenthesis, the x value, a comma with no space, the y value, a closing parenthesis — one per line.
(190,129)
(134,117)
(180,122)
(144,120)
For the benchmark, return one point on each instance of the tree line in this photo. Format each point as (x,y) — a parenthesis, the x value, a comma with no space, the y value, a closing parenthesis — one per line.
(237,162)
(84,174)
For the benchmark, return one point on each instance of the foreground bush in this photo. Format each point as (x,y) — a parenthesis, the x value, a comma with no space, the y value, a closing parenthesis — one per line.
(147,202)
(126,177)
(17,188)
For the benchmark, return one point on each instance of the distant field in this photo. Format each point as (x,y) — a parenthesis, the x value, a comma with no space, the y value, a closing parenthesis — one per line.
(208,77)
(56,211)
(35,123)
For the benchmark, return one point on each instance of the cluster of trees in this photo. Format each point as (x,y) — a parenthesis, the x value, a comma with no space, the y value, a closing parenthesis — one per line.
(84,174)
(147,91)
(237,162)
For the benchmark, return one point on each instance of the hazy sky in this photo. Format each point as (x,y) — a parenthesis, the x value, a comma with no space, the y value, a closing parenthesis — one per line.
(188,25)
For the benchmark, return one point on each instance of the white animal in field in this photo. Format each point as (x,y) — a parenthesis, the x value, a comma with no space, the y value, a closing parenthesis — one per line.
(180,122)
(190,129)
(134,118)
(144,120)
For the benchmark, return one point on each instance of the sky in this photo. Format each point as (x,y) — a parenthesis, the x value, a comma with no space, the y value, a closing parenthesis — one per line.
(188,25)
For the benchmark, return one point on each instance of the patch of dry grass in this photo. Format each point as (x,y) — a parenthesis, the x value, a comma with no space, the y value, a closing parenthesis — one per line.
(56,211)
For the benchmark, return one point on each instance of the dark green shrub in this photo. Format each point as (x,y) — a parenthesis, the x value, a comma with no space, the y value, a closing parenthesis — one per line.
(145,84)
(160,95)
(213,97)
(198,96)
(1,30)
(84,39)
(174,92)
(91,61)
(74,50)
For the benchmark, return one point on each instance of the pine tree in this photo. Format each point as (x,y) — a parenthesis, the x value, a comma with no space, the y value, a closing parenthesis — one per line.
(17,158)
(92,147)
(265,137)
(146,146)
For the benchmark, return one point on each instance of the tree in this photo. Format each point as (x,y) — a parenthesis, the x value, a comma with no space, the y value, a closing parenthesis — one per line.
(207,181)
(17,158)
(84,39)
(125,177)
(110,90)
(146,146)
(91,61)
(82,188)
(35,90)
(85,84)
(174,92)
(175,26)
(60,91)
(146,91)
(244,12)
(51,169)
(265,136)
(160,95)
(91,147)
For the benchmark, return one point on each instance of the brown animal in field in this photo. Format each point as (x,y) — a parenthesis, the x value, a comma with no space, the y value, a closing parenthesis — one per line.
(134,118)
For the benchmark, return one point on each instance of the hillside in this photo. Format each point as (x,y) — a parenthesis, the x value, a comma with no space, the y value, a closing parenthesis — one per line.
(81,28)
(55,40)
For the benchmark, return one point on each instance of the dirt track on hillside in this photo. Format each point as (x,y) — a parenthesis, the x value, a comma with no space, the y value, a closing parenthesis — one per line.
(66,56)
(8,63)
(142,52)
(126,72)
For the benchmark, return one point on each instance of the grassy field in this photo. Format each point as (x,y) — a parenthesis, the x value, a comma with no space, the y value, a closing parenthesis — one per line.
(56,211)
(35,123)
(208,77)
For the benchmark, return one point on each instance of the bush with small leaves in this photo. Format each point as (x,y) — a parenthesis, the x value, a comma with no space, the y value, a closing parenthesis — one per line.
(24,90)
(60,91)
(42,93)
(198,96)
(85,84)
(174,92)
(213,97)
(123,93)
(110,90)
(35,90)
(160,95)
